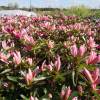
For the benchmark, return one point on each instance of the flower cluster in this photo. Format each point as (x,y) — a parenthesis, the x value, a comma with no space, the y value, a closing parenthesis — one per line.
(49,57)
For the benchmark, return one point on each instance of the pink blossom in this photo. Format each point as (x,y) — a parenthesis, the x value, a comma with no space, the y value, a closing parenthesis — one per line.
(98,59)
(75,98)
(29,39)
(33,98)
(4,45)
(17,34)
(93,58)
(65,93)
(29,76)
(93,77)
(26,38)
(43,66)
(53,27)
(50,67)
(88,75)
(27,48)
(50,95)
(82,50)
(7,44)
(98,47)
(89,32)
(62,27)
(4,57)
(58,63)
(17,57)
(74,50)
(91,42)
(7,29)
(29,60)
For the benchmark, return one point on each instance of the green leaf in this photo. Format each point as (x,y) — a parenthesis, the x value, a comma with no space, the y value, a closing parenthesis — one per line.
(75,94)
(39,79)
(73,78)
(5,71)
(24,97)
(12,78)
(22,85)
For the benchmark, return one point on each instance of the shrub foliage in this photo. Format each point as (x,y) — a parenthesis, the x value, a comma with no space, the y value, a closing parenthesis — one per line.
(49,57)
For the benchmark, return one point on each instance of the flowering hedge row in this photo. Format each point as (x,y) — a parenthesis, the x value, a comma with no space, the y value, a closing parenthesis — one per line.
(51,58)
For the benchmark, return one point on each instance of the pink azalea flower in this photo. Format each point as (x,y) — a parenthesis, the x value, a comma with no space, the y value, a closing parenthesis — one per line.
(33,98)
(7,44)
(65,93)
(50,67)
(4,45)
(17,57)
(91,43)
(98,47)
(50,95)
(93,58)
(7,29)
(29,39)
(89,32)
(88,75)
(62,27)
(98,59)
(93,77)
(74,50)
(26,38)
(75,98)
(53,28)
(58,63)
(17,34)
(29,60)
(28,48)
(43,66)
(82,50)
(29,76)
(4,57)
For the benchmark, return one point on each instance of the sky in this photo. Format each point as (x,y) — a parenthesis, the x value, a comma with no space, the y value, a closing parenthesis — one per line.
(53,3)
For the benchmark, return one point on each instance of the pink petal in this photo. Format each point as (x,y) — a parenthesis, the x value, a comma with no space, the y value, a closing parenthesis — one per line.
(88,75)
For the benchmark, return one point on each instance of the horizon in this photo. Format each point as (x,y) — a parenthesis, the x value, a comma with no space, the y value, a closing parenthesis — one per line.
(93,4)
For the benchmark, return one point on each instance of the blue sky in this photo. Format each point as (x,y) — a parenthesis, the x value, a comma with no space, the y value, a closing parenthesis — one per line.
(53,3)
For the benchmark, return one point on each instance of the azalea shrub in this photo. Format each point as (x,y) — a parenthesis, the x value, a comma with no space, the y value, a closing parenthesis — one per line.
(49,58)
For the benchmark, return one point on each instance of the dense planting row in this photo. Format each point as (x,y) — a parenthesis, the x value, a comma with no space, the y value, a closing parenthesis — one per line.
(49,57)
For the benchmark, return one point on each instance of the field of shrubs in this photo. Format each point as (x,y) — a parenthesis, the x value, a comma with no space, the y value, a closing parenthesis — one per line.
(49,58)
